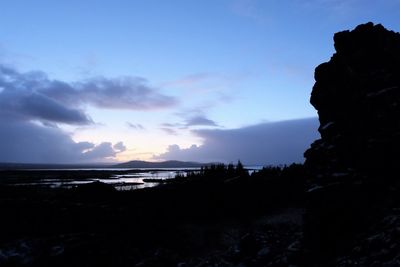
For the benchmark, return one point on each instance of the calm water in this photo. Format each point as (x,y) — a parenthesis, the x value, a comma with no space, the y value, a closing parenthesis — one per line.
(125,181)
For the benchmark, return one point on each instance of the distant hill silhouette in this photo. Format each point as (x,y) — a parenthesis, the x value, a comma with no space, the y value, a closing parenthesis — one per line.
(164,164)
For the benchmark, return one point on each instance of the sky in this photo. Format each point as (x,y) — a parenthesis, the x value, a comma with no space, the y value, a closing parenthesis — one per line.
(210,80)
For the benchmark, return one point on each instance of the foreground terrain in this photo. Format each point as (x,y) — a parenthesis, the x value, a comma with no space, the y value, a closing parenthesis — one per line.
(221,216)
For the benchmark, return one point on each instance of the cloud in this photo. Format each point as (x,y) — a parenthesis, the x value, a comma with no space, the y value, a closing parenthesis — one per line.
(20,99)
(32,106)
(136,126)
(196,120)
(129,93)
(169,131)
(102,151)
(193,120)
(120,147)
(210,88)
(167,124)
(199,121)
(27,105)
(24,141)
(33,96)
(267,143)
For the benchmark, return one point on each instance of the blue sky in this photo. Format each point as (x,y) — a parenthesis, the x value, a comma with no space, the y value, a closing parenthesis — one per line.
(168,74)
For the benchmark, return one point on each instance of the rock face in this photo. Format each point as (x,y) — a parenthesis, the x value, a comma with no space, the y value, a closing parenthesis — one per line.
(357,95)
(353,168)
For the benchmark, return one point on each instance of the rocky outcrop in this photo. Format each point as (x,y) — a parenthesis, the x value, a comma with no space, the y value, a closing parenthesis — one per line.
(353,168)
(357,95)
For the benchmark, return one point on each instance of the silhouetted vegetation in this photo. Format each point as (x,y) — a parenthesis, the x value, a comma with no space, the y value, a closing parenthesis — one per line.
(217,171)
(189,220)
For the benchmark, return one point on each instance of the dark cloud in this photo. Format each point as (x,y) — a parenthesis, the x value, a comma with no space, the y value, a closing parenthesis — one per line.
(196,120)
(102,151)
(136,126)
(24,141)
(36,106)
(268,143)
(120,147)
(130,93)
(21,99)
(123,93)
(33,96)
(199,121)
(32,106)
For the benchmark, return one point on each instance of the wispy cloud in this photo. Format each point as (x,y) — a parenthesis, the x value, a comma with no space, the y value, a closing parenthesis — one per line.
(173,125)
(202,92)
(199,121)
(169,131)
(188,122)
(135,126)
(206,83)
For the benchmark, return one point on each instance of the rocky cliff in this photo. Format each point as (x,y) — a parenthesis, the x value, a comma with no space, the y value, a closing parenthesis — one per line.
(353,168)
(357,95)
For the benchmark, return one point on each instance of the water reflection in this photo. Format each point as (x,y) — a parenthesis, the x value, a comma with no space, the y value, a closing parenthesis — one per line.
(122,182)
(121,179)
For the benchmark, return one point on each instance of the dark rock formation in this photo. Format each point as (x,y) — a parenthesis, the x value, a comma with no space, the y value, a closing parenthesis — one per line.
(357,95)
(354,166)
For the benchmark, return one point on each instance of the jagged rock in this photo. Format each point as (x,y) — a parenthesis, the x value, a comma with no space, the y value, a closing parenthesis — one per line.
(357,95)
(356,161)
